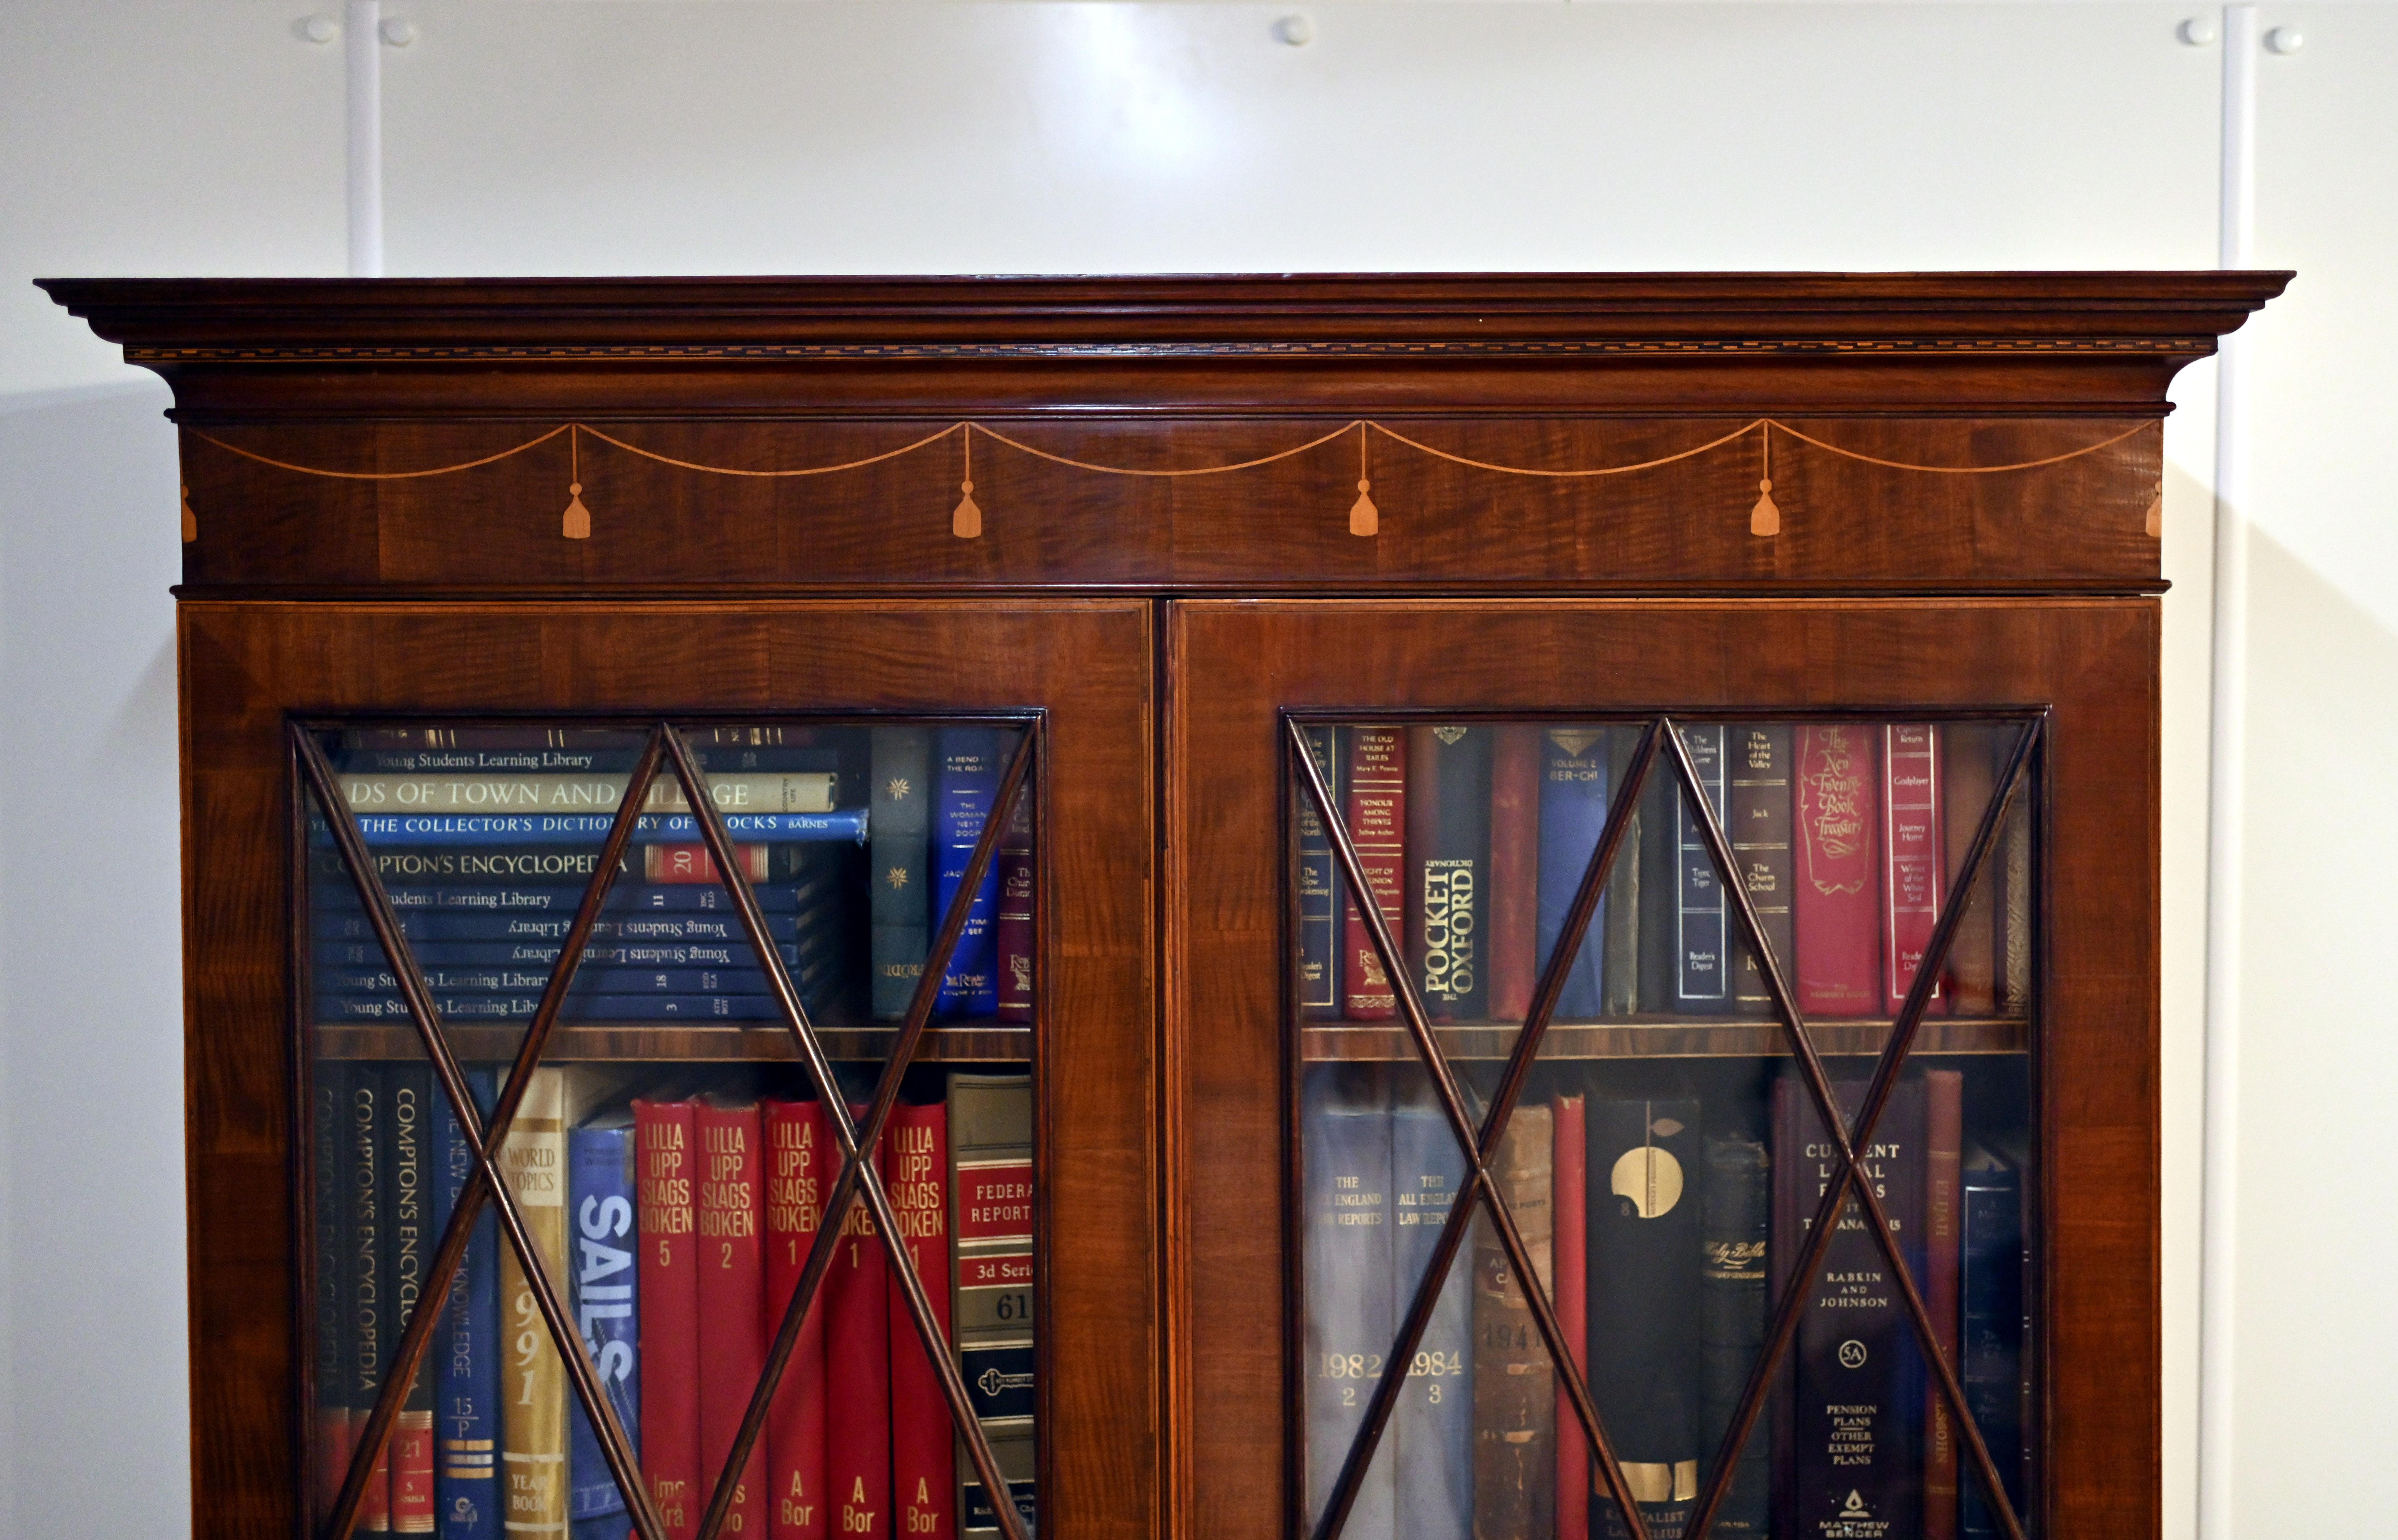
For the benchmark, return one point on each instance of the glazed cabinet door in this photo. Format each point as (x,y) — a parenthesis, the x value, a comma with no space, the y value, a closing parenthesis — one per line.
(674,1071)
(1665,1069)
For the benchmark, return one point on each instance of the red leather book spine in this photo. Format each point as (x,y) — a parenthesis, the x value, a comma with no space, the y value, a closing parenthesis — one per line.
(1914,875)
(1943,1210)
(731,1301)
(798,1178)
(1013,925)
(679,864)
(1376,815)
(1836,921)
(857,1361)
(1514,869)
(923,1436)
(1968,780)
(667,1145)
(1569,1267)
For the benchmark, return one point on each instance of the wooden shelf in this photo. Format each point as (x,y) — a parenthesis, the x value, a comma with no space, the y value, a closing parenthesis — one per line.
(1662,1037)
(983,1040)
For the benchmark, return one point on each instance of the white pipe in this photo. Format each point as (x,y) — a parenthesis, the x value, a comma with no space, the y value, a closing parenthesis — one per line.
(2227,788)
(362,53)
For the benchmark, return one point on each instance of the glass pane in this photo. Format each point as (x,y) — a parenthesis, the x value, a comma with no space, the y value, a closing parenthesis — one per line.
(671,1156)
(1663,1160)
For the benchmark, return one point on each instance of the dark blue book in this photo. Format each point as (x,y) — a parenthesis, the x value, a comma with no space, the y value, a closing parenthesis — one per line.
(1321,889)
(600,1257)
(544,954)
(1643,1244)
(965,783)
(1702,982)
(466,1354)
(1574,811)
(468,925)
(1432,1426)
(340,898)
(1345,1143)
(899,803)
(579,1008)
(1991,1357)
(532,981)
(570,828)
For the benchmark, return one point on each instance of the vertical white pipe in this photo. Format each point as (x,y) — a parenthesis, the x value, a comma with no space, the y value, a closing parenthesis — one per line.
(362,49)
(2227,788)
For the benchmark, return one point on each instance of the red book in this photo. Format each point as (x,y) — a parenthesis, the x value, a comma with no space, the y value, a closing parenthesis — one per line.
(924,1438)
(1567,1211)
(412,1470)
(666,1145)
(1514,870)
(732,1292)
(1376,816)
(858,1380)
(375,1503)
(692,864)
(799,1179)
(335,1443)
(1944,1207)
(1834,912)
(1012,925)
(1917,873)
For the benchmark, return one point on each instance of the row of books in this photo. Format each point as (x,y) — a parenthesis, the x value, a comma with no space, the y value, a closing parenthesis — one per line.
(1661,1225)
(673,1223)
(1474,839)
(853,841)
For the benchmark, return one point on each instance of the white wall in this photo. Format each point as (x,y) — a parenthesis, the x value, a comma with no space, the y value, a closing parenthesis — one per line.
(535,136)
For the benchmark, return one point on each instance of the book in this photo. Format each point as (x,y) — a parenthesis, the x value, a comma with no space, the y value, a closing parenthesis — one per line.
(543,956)
(1834,924)
(451,792)
(1432,1426)
(1015,930)
(1621,906)
(731,1299)
(329,1215)
(693,864)
(1646,1365)
(1702,982)
(923,1438)
(1449,869)
(533,1395)
(457,863)
(1944,1137)
(1321,887)
(1916,874)
(579,1008)
(600,1158)
(367,1278)
(579,751)
(466,1408)
(1758,824)
(1569,1214)
(2015,916)
(1351,1312)
(1970,763)
(991,1204)
(799,1182)
(409,1237)
(1513,960)
(857,1375)
(680,828)
(1515,1416)
(337,915)
(1857,1381)
(667,1281)
(1377,817)
(1992,1330)
(965,782)
(1572,815)
(901,866)
(1659,888)
(1735,1218)
(532,981)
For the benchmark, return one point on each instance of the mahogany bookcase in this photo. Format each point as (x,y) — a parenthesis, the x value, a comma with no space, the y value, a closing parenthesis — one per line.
(1170,527)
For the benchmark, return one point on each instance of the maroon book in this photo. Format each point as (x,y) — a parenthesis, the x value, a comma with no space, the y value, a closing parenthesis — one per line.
(1569,1178)
(731,1299)
(1514,870)
(924,1439)
(1915,874)
(667,1146)
(1376,815)
(1944,1212)
(1013,927)
(799,1179)
(857,1372)
(1836,922)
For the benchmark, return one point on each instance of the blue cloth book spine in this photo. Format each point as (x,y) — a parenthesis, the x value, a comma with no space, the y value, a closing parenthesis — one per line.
(1702,982)
(1573,813)
(967,782)
(1991,1339)
(1345,1138)
(1321,889)
(469,926)
(576,828)
(900,805)
(580,1008)
(1432,1426)
(466,1406)
(337,901)
(532,981)
(544,955)
(600,1207)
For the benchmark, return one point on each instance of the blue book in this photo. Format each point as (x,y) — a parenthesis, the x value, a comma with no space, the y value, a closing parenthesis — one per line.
(562,901)
(965,783)
(1573,813)
(544,955)
(600,1208)
(1702,982)
(1432,1425)
(1990,1343)
(578,828)
(469,926)
(532,981)
(899,806)
(579,1008)
(1321,890)
(1345,1145)
(466,1394)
